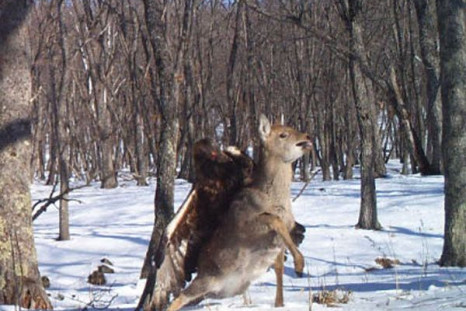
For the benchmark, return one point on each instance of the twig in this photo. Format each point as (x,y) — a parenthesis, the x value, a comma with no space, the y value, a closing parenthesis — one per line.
(97,298)
(52,199)
(45,200)
(314,173)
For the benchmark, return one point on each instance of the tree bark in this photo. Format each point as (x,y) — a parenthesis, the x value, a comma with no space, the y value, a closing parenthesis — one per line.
(59,115)
(411,137)
(350,142)
(452,33)
(108,176)
(170,80)
(164,196)
(20,282)
(427,42)
(363,97)
(233,138)
(141,155)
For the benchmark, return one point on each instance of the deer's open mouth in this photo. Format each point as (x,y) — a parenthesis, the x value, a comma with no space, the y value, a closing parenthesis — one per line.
(305,144)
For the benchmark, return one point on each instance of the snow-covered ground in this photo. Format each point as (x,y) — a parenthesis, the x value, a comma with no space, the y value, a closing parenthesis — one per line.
(116,224)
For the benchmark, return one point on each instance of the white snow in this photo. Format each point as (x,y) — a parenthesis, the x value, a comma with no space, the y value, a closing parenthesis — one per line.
(116,224)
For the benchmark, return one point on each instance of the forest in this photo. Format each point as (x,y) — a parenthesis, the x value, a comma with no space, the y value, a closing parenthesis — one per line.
(98,95)
(98,87)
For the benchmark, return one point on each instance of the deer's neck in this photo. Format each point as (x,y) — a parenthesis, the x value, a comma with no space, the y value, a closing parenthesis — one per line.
(273,177)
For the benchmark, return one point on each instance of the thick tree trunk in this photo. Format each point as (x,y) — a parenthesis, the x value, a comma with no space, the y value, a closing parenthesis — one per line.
(230,85)
(107,170)
(108,177)
(428,44)
(452,33)
(164,196)
(363,98)
(170,77)
(20,282)
(380,170)
(368,209)
(350,11)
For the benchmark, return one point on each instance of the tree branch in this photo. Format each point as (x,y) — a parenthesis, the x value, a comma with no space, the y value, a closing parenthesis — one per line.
(314,173)
(52,200)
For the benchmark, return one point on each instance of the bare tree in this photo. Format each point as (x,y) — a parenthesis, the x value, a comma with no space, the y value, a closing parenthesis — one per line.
(452,33)
(169,70)
(363,98)
(20,282)
(56,96)
(425,10)
(232,97)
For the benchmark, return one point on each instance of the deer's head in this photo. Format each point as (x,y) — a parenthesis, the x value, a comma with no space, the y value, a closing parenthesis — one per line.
(283,142)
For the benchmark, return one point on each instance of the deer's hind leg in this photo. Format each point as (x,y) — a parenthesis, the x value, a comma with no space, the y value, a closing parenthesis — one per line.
(194,293)
(275,223)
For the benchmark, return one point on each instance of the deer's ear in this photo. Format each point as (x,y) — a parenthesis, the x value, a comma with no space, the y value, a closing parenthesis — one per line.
(264,127)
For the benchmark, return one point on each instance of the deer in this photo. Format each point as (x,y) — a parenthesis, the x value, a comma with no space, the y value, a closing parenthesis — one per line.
(256,230)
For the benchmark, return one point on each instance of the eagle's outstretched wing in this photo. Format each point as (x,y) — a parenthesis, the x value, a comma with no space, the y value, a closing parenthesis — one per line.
(219,176)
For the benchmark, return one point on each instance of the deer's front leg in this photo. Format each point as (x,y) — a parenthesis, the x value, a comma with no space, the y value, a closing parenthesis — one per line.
(275,223)
(279,267)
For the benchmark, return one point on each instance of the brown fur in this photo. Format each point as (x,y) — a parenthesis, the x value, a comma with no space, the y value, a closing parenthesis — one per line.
(255,231)
(219,176)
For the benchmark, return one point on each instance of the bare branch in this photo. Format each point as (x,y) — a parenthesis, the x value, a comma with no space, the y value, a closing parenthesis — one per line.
(314,173)
(52,200)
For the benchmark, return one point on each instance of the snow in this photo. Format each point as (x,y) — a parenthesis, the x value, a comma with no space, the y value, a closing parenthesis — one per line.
(116,224)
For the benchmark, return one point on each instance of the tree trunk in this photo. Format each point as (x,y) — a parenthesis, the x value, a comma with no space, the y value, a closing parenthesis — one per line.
(368,209)
(412,141)
(322,139)
(452,33)
(20,282)
(170,81)
(108,176)
(64,217)
(380,169)
(428,44)
(60,114)
(363,98)
(350,145)
(333,153)
(233,138)
(141,155)
(164,196)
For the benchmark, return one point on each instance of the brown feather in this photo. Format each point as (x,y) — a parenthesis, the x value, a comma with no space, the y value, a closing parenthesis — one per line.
(219,176)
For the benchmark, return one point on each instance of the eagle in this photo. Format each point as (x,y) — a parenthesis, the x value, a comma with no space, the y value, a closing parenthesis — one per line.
(219,176)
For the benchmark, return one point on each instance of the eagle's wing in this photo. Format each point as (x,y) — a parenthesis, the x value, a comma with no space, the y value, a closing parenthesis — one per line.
(219,175)
(171,274)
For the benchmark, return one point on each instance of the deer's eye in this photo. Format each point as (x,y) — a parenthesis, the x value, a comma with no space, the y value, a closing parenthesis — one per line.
(283,135)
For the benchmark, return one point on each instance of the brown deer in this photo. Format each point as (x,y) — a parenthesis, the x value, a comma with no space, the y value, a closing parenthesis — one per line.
(256,230)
